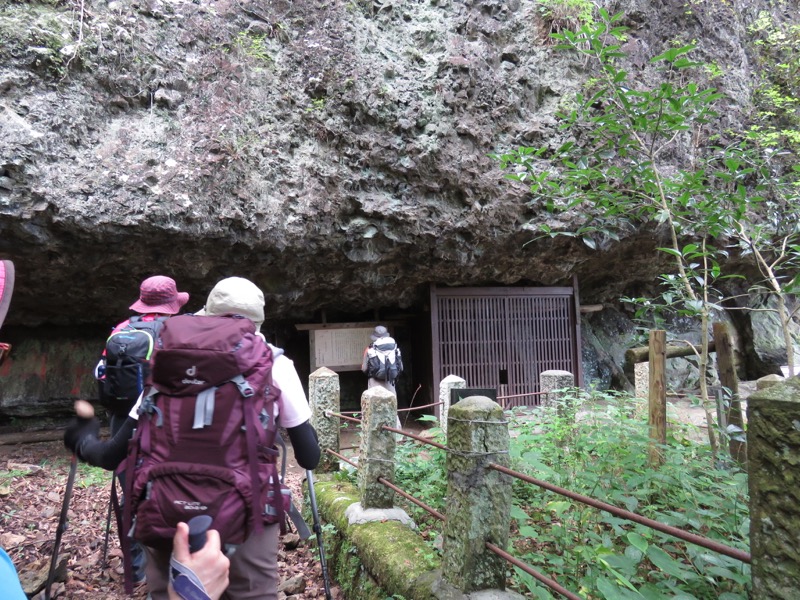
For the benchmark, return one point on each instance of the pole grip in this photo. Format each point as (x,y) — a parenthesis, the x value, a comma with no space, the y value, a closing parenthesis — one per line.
(197,531)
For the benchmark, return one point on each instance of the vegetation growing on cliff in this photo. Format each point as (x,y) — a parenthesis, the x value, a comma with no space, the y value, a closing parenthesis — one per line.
(653,155)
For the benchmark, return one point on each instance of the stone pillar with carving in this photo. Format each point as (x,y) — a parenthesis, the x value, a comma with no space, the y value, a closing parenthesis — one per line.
(549,384)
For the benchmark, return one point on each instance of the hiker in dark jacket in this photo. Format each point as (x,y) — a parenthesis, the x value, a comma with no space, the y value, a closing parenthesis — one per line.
(253,569)
(158,298)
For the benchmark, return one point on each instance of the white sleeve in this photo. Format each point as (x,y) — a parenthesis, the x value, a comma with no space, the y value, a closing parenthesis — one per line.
(292,404)
(134,414)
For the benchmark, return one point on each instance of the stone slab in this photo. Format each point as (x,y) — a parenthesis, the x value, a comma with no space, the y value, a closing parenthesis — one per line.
(357,515)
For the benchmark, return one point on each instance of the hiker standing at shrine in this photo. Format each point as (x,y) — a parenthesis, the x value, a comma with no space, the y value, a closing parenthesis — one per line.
(382,361)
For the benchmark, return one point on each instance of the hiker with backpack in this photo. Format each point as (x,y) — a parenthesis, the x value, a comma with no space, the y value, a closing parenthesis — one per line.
(123,366)
(382,361)
(122,369)
(204,440)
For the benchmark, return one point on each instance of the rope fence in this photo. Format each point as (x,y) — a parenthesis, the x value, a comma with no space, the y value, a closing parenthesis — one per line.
(522,395)
(413,436)
(419,407)
(341,416)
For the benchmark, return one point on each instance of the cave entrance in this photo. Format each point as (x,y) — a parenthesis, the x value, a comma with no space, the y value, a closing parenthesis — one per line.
(504,337)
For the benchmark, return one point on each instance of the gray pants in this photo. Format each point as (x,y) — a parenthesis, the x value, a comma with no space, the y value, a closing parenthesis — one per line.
(254,569)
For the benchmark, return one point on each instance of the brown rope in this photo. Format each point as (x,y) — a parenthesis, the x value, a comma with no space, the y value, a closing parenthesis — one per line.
(625,514)
(551,583)
(414,437)
(411,498)
(419,407)
(523,395)
(333,414)
(340,457)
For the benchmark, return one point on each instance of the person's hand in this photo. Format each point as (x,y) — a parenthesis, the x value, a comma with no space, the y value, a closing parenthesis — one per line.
(79,429)
(209,563)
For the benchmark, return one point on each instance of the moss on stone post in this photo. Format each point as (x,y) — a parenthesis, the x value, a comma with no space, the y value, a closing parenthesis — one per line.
(479,498)
(379,408)
(773,443)
(451,382)
(324,396)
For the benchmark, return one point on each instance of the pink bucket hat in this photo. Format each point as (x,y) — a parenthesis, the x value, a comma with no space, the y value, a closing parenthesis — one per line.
(159,294)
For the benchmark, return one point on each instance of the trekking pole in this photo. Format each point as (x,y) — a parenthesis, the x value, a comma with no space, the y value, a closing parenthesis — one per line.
(318,530)
(62,524)
(295,518)
(108,520)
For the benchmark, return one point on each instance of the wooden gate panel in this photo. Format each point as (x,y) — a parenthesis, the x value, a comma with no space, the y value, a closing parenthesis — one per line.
(504,338)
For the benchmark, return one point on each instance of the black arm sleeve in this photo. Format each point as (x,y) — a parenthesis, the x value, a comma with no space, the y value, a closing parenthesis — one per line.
(108,454)
(305,445)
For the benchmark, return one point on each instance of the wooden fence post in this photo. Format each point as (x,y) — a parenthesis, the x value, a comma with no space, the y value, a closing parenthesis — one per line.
(657,396)
(726,367)
(376,457)
(478,498)
(324,396)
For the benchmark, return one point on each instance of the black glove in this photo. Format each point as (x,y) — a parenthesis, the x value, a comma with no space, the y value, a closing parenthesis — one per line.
(79,430)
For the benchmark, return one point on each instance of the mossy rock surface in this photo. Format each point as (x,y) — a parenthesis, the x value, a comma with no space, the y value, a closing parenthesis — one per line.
(374,561)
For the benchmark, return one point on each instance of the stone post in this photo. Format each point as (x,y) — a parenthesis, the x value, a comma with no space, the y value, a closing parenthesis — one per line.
(768,381)
(376,458)
(479,498)
(641,379)
(549,382)
(451,382)
(324,396)
(773,454)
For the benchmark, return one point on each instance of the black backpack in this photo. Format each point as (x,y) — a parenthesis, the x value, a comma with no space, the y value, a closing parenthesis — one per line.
(384,364)
(128,353)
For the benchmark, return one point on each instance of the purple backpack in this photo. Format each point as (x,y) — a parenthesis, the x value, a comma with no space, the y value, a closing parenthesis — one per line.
(205,441)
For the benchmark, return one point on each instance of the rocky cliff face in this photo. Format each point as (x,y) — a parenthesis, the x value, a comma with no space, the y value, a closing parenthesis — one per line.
(334,152)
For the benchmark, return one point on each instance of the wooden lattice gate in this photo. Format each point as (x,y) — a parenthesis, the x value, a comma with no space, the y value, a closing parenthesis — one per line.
(503,338)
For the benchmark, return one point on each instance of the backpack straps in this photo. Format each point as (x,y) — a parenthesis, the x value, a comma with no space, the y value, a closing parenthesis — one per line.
(251,427)
(205,402)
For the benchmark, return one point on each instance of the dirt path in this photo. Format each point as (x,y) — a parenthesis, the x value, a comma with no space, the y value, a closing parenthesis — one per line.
(684,410)
(32,482)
